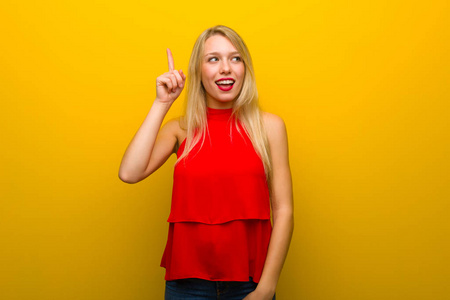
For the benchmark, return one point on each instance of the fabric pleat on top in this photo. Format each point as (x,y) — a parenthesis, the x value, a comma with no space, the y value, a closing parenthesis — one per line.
(220,214)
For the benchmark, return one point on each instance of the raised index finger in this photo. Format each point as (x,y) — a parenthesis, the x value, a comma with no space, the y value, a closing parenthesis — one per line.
(170,59)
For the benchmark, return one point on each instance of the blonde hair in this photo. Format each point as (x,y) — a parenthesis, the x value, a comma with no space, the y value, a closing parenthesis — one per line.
(245,109)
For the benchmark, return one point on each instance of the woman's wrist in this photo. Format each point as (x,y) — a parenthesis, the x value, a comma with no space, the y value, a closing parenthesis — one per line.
(265,291)
(161,105)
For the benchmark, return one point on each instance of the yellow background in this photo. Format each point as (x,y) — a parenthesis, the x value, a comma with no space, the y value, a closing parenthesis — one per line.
(363,87)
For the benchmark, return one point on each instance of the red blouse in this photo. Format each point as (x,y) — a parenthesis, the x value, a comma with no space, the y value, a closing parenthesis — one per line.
(219,224)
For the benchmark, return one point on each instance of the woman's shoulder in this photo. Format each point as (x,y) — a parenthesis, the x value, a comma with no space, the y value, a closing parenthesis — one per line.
(273,123)
(176,124)
(276,135)
(176,128)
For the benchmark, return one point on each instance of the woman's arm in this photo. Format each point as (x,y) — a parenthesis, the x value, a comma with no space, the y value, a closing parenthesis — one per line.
(282,209)
(150,147)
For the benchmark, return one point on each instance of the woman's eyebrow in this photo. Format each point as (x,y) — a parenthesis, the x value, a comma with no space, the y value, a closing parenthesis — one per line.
(218,53)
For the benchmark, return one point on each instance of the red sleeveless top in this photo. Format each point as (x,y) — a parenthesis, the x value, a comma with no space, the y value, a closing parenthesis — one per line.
(219,223)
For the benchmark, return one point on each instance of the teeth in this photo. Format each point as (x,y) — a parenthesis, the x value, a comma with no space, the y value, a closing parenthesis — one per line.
(225,82)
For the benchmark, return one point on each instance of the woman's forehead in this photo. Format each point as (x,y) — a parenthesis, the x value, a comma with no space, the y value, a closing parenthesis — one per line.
(218,44)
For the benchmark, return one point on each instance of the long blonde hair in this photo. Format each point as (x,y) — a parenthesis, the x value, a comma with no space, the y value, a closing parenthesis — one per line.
(245,109)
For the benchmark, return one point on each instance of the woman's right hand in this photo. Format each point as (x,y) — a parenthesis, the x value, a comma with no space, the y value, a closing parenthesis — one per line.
(170,85)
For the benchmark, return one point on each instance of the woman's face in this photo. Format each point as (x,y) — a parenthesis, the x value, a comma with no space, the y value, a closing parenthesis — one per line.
(222,72)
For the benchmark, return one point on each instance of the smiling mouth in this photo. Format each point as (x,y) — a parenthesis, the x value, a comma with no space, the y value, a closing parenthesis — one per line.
(225,84)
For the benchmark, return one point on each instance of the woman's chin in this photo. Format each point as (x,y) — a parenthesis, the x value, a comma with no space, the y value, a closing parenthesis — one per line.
(221,102)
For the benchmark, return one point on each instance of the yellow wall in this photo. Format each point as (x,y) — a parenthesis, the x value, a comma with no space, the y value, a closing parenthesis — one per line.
(363,87)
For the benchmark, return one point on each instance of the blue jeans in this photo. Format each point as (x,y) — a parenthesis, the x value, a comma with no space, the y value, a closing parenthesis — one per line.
(200,289)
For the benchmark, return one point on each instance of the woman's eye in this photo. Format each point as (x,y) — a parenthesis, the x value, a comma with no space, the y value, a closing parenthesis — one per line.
(237,58)
(212,59)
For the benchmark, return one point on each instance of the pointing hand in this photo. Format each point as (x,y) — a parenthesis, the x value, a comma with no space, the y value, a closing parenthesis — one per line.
(170,85)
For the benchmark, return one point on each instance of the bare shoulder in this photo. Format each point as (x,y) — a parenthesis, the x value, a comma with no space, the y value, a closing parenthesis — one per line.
(173,125)
(174,128)
(274,125)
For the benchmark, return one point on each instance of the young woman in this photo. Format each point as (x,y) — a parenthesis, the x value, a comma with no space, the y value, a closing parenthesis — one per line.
(232,172)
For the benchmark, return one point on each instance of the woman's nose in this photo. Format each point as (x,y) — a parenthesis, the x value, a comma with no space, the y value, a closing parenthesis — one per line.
(224,67)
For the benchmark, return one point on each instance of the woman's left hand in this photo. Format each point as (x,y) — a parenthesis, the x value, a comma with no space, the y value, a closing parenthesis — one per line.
(258,295)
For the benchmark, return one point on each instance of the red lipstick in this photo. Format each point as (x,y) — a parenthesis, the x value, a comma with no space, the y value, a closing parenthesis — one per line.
(225,87)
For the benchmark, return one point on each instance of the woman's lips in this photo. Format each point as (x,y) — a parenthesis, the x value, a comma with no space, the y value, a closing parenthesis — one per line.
(225,84)
(225,87)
